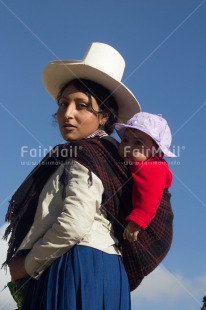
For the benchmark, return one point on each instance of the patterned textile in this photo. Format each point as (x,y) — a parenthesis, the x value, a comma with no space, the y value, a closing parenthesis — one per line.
(143,256)
(100,156)
(18,290)
(24,202)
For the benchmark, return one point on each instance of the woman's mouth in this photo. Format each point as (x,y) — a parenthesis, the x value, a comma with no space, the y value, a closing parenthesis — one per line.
(69,126)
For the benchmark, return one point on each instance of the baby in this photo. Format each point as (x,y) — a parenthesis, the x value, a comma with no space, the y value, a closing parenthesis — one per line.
(145,140)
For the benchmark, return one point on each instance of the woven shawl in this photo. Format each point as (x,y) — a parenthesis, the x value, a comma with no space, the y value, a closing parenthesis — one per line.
(100,156)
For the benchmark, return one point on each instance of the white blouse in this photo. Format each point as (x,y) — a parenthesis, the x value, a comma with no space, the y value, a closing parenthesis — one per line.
(60,223)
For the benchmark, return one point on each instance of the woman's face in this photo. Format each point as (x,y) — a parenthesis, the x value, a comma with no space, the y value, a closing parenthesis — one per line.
(76,121)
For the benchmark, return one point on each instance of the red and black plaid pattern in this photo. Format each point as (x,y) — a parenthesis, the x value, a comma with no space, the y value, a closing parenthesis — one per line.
(143,256)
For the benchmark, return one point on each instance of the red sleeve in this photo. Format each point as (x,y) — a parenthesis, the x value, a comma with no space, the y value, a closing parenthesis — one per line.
(149,180)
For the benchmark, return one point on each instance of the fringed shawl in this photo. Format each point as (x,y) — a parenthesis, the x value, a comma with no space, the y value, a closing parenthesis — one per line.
(100,156)
(23,204)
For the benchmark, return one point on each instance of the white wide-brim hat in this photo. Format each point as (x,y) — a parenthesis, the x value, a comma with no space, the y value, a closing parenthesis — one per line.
(154,126)
(101,64)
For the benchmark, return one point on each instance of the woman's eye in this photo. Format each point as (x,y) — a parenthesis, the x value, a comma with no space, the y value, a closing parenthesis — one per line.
(82,105)
(62,104)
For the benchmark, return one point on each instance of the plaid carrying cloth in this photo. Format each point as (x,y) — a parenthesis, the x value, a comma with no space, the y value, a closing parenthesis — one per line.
(100,156)
(144,255)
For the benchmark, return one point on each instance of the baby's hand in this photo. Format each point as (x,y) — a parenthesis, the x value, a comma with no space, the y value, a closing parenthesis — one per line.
(131,231)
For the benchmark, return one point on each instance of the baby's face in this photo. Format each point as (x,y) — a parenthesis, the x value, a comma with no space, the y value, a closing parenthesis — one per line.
(136,146)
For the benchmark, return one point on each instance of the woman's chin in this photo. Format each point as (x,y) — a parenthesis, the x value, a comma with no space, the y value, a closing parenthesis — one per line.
(70,136)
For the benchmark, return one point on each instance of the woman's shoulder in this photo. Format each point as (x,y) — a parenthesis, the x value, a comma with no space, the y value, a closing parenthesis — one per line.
(103,148)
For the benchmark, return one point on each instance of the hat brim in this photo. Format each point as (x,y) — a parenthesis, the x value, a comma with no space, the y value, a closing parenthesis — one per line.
(167,152)
(56,74)
(120,128)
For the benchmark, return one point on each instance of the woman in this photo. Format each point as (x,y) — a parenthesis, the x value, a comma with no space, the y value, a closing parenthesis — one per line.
(67,217)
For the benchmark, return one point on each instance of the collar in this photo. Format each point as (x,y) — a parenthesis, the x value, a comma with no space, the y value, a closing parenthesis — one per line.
(97,133)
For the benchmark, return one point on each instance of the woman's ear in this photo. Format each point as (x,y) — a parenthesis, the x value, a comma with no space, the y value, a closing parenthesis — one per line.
(103,119)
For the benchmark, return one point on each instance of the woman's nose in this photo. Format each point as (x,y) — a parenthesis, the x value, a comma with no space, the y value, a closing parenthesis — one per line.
(69,112)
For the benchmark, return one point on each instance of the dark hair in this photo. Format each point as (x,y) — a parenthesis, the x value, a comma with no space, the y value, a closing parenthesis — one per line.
(107,104)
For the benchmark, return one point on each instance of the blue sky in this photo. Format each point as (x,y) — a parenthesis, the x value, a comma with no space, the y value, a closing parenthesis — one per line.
(164,46)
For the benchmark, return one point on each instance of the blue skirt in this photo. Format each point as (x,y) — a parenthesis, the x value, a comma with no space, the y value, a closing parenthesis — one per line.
(82,279)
